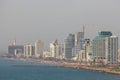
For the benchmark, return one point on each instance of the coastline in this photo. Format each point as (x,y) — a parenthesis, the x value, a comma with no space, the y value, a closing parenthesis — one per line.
(66,65)
(103,70)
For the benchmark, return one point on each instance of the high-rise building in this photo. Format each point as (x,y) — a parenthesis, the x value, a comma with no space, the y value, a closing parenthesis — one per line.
(68,45)
(39,47)
(88,50)
(15,49)
(79,36)
(119,55)
(79,41)
(112,49)
(28,50)
(61,51)
(105,48)
(54,49)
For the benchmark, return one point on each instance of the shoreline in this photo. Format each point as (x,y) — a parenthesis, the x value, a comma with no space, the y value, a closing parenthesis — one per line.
(103,70)
(67,65)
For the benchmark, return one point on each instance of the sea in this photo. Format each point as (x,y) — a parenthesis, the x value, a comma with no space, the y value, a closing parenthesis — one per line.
(21,70)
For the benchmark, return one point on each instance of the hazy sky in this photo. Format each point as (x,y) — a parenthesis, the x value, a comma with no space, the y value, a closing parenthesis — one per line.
(28,20)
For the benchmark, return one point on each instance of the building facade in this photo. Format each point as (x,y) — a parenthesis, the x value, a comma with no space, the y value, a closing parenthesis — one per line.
(39,47)
(54,49)
(15,49)
(105,48)
(112,50)
(88,50)
(68,46)
(28,50)
(119,55)
(79,41)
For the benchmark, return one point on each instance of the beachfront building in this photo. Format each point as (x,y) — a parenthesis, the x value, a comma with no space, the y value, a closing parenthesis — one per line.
(112,50)
(28,50)
(88,50)
(105,48)
(15,49)
(39,47)
(79,41)
(54,49)
(85,54)
(79,37)
(61,51)
(119,55)
(81,56)
(46,54)
(68,46)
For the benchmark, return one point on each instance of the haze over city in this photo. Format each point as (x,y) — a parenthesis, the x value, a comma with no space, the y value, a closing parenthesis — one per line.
(28,20)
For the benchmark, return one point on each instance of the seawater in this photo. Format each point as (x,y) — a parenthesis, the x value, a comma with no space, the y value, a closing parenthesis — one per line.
(19,70)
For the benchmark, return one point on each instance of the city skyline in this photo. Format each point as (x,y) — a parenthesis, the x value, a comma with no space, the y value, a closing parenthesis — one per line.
(50,19)
(103,48)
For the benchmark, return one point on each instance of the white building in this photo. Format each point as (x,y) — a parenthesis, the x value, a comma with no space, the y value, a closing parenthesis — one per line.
(88,50)
(111,50)
(28,50)
(39,47)
(81,56)
(46,54)
(105,48)
(119,55)
(54,49)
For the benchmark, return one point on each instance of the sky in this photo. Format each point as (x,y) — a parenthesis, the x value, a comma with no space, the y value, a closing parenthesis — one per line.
(47,20)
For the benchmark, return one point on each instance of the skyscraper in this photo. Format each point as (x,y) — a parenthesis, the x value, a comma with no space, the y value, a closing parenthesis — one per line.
(54,49)
(79,41)
(79,36)
(112,50)
(39,47)
(28,50)
(105,48)
(119,55)
(88,50)
(68,45)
